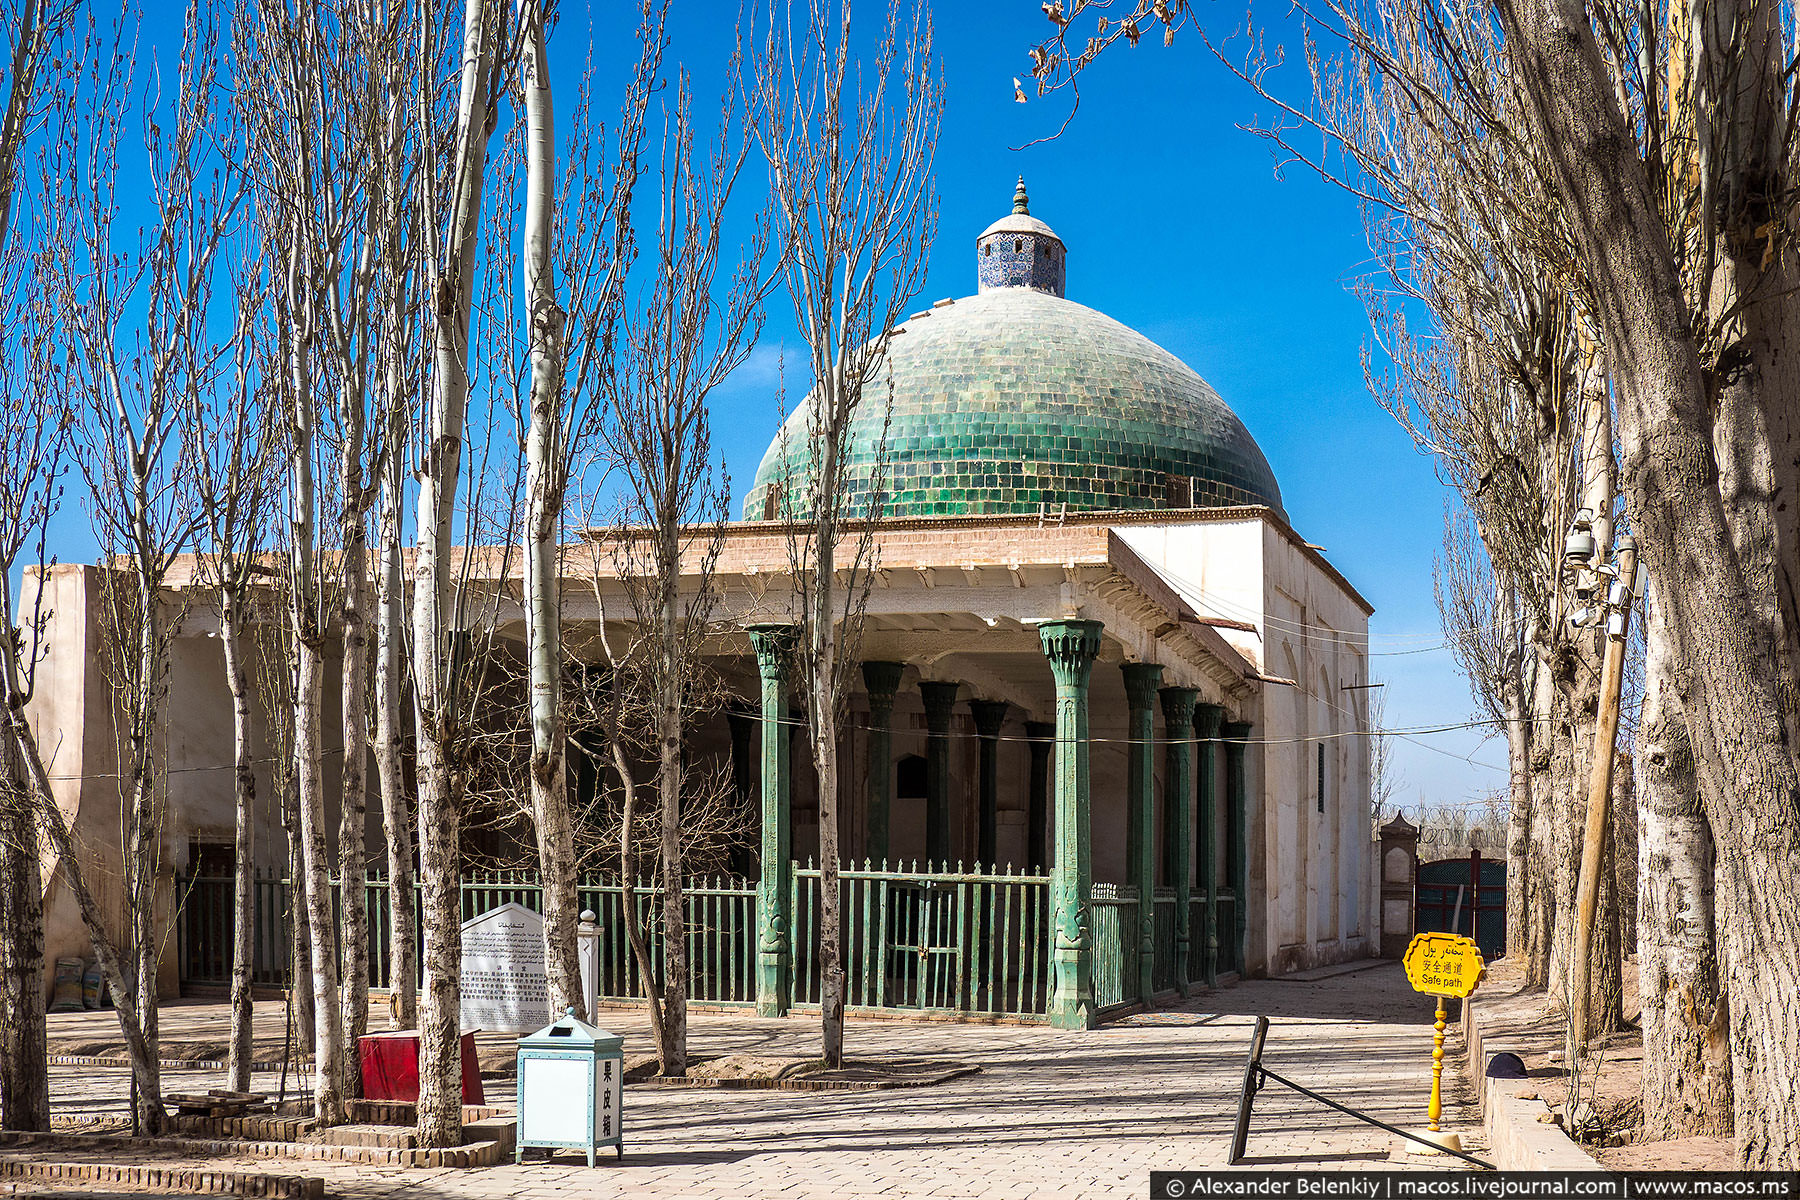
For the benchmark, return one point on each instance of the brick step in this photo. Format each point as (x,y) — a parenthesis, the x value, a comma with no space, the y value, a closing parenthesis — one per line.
(389,1137)
(198,1180)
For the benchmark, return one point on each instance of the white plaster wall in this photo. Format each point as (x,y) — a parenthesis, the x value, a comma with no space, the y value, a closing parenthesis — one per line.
(1311,889)
(1215,566)
(1319,634)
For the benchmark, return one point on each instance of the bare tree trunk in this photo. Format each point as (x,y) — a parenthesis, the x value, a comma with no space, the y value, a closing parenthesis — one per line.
(300,979)
(353,897)
(452,272)
(1687,1059)
(24,1074)
(305,611)
(145,1073)
(1518,825)
(544,474)
(143,846)
(243,933)
(628,877)
(315,858)
(403,958)
(825,751)
(673,1032)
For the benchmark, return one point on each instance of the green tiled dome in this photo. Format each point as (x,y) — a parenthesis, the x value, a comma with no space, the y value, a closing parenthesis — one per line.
(1017,399)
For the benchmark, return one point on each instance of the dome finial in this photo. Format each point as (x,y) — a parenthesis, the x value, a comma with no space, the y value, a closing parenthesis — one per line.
(1021,202)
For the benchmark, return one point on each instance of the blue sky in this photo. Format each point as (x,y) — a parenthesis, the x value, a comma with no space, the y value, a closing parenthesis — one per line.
(1177,224)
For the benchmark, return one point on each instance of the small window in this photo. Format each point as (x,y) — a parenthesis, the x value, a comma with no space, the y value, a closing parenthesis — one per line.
(1018,245)
(909,778)
(1321,777)
(1178,491)
(772,502)
(988,250)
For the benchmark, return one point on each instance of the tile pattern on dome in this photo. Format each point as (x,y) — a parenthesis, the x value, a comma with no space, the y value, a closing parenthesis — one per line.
(1015,400)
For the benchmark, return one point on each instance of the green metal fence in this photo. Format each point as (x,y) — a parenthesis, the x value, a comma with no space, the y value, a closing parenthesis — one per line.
(938,940)
(720,919)
(941,940)
(1162,971)
(1115,914)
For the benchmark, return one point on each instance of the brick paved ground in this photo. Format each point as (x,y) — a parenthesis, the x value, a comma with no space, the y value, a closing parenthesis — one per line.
(1051,1115)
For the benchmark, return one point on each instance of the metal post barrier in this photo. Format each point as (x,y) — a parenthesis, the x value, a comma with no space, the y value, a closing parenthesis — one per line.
(1255,1074)
(1247,1095)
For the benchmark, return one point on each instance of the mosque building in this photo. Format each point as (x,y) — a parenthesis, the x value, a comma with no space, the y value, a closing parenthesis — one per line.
(1110,742)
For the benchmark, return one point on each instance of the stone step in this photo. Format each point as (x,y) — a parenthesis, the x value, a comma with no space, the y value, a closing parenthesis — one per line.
(386,1137)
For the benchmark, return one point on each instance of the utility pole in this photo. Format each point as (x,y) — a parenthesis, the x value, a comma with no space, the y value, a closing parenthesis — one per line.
(1617,611)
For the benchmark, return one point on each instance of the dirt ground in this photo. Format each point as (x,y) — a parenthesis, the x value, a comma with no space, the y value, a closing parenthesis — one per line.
(1609,1086)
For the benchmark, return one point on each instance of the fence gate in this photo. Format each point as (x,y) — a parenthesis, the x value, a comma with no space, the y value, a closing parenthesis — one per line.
(927,941)
(1466,896)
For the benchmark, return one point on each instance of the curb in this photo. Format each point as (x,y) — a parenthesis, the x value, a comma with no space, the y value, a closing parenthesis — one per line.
(170,1064)
(1521,1133)
(475,1154)
(182,1179)
(803,1083)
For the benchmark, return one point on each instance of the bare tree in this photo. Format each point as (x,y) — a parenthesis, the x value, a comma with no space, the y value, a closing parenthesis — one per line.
(231,447)
(142,340)
(1483,620)
(330,94)
(681,339)
(595,253)
(850,146)
(30,469)
(451,234)
(274,668)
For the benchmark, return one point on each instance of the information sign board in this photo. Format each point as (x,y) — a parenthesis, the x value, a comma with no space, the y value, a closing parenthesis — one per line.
(1444,964)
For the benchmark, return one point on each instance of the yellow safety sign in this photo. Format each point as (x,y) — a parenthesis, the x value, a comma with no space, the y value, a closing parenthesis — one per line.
(1444,964)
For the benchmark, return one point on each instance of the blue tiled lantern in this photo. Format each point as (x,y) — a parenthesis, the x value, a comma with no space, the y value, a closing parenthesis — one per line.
(571,1089)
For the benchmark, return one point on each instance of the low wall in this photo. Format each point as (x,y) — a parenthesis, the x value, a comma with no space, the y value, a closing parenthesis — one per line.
(1521,1132)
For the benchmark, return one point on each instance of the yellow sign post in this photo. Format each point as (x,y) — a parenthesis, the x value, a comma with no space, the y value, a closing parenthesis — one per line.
(1448,966)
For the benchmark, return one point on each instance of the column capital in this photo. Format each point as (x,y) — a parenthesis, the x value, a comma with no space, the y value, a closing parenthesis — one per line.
(989,716)
(1071,646)
(1140,683)
(1235,733)
(1178,710)
(774,643)
(882,679)
(940,703)
(1040,731)
(1207,719)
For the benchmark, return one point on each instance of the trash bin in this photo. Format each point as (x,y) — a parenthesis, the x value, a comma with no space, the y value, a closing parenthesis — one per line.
(571,1086)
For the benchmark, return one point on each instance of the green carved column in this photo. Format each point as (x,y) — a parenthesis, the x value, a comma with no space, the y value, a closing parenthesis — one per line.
(940,706)
(1140,793)
(989,716)
(1236,734)
(883,680)
(1178,803)
(774,646)
(1071,647)
(1206,730)
(1038,816)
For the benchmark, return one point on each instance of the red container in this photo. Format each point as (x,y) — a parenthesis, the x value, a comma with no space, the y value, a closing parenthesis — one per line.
(390,1067)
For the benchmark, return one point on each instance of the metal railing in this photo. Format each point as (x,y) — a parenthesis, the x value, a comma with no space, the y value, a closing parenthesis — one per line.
(916,937)
(1115,914)
(934,940)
